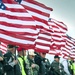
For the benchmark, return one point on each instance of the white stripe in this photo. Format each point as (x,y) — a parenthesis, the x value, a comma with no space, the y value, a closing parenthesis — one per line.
(18,29)
(2,47)
(3,51)
(3,44)
(18,14)
(15,6)
(38,15)
(63,25)
(41,24)
(43,47)
(13,21)
(59,39)
(35,6)
(13,39)
(44,36)
(42,41)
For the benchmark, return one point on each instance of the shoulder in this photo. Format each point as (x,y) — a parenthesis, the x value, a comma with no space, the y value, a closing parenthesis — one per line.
(8,54)
(54,62)
(46,60)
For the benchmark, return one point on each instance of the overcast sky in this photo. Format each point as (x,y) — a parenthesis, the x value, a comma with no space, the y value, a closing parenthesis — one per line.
(63,10)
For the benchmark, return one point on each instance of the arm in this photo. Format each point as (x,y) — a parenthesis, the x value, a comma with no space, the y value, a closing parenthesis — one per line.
(9,60)
(1,59)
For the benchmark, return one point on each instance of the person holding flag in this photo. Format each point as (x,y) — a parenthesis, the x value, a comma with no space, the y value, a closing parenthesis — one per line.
(10,66)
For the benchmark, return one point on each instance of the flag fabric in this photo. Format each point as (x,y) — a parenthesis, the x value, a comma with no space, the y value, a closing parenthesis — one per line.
(63,28)
(43,42)
(16,19)
(39,12)
(15,39)
(66,50)
(73,52)
(3,47)
(16,25)
(26,23)
(57,40)
(73,47)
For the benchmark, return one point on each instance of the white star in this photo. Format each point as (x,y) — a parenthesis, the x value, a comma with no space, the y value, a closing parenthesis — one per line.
(2,6)
(0,3)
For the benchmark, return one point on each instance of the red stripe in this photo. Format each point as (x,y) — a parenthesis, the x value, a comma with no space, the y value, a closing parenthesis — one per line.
(17,36)
(39,4)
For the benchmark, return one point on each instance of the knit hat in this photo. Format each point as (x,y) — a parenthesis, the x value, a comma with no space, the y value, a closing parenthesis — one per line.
(20,49)
(56,56)
(31,52)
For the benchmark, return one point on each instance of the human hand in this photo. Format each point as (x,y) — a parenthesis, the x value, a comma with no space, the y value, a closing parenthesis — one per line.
(1,59)
(33,65)
(15,61)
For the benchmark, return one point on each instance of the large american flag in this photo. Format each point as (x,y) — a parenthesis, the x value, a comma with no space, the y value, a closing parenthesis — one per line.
(20,20)
(67,49)
(41,14)
(16,24)
(57,40)
(25,23)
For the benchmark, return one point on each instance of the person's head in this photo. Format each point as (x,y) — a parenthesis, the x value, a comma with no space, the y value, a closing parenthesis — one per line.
(31,53)
(21,51)
(11,48)
(43,55)
(56,58)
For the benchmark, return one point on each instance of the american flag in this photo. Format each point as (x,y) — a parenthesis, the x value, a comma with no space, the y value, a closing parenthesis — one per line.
(43,41)
(57,40)
(63,27)
(40,13)
(16,24)
(73,52)
(3,47)
(66,50)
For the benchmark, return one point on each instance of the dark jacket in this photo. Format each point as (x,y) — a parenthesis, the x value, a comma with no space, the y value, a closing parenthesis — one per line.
(57,68)
(46,64)
(1,65)
(43,63)
(35,70)
(70,64)
(15,70)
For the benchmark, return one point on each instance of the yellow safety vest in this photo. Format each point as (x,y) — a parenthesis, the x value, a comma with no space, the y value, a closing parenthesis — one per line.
(21,65)
(73,67)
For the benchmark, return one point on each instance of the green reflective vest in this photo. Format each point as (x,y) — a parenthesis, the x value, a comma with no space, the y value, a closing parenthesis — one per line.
(73,67)
(21,65)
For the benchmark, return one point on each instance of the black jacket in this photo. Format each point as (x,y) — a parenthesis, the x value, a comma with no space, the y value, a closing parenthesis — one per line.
(43,63)
(15,70)
(1,65)
(57,68)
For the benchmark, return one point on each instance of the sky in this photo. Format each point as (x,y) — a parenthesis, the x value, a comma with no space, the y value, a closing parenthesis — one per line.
(63,10)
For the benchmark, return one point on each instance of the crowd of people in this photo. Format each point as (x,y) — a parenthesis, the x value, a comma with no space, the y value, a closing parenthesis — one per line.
(32,63)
